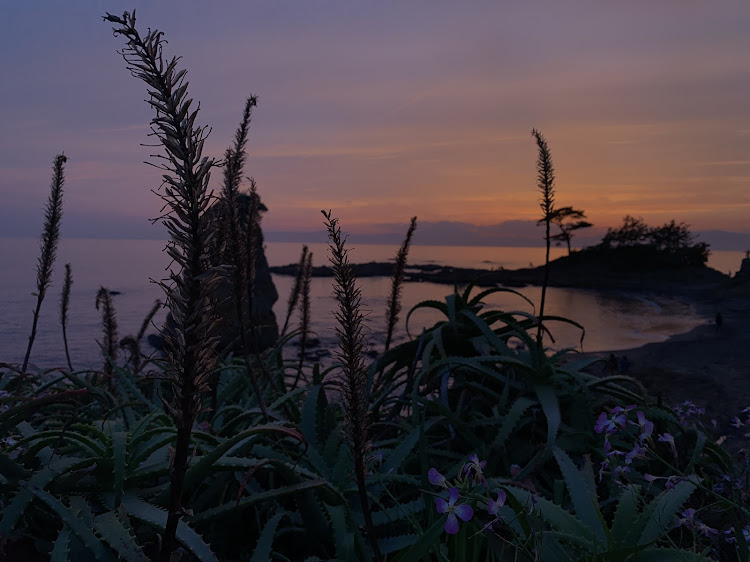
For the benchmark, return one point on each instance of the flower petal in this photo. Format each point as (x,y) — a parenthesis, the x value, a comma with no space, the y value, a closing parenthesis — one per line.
(464,511)
(451,524)
(435,478)
(501,497)
(452,496)
(441,505)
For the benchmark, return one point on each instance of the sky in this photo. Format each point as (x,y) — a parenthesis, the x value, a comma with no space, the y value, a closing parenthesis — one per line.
(384,110)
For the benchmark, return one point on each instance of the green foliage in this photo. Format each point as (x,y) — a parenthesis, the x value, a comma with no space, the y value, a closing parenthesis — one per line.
(515,427)
(635,244)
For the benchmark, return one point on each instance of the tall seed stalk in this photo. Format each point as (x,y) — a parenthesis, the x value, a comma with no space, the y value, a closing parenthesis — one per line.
(545,178)
(239,253)
(50,238)
(351,353)
(294,294)
(394,299)
(109,330)
(64,305)
(191,356)
(304,306)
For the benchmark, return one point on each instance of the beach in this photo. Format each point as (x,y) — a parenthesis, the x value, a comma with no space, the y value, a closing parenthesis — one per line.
(708,365)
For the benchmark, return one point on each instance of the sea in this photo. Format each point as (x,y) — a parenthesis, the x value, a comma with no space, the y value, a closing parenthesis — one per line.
(613,320)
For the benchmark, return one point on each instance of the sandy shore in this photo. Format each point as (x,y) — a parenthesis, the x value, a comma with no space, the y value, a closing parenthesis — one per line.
(709,365)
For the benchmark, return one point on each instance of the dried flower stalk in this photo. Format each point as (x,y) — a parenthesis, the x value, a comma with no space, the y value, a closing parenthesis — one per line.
(545,178)
(394,299)
(239,253)
(109,329)
(64,305)
(351,355)
(191,356)
(304,325)
(295,293)
(50,238)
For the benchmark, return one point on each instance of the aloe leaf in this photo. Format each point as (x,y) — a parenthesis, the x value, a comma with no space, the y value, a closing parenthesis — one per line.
(398,512)
(119,536)
(344,538)
(584,497)
(551,408)
(237,506)
(397,456)
(551,550)
(11,470)
(556,516)
(19,412)
(511,419)
(157,517)
(90,446)
(61,547)
(660,513)
(439,305)
(668,555)
(625,514)
(400,542)
(428,540)
(13,511)
(262,551)
(151,441)
(76,525)
(491,337)
(119,445)
(201,468)
(309,419)
(700,444)
(125,379)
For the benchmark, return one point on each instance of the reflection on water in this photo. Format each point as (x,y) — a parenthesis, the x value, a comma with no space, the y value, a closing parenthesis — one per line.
(613,320)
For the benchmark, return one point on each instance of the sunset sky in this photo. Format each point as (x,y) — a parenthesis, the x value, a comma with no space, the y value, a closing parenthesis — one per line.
(384,110)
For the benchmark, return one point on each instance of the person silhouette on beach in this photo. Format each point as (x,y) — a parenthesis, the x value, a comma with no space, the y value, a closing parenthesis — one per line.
(719,321)
(612,363)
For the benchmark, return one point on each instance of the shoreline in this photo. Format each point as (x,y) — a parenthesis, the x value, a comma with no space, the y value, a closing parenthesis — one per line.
(708,365)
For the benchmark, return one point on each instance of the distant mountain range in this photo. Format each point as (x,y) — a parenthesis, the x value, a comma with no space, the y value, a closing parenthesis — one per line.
(445,233)
(508,233)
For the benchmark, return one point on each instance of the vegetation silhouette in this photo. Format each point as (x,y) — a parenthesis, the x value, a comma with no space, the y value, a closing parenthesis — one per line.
(471,441)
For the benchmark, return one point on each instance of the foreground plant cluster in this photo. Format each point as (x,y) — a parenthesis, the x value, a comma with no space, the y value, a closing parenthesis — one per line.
(470,441)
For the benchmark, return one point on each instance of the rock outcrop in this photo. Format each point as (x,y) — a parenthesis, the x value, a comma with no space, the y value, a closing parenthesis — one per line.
(744,272)
(263,322)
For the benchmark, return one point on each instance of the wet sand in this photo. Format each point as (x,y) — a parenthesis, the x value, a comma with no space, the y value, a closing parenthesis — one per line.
(709,365)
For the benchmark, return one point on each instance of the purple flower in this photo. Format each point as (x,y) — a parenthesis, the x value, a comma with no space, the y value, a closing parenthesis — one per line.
(637,452)
(474,469)
(647,427)
(435,478)
(462,511)
(672,481)
(493,506)
(705,530)
(620,471)
(736,422)
(729,536)
(604,424)
(687,519)
(532,506)
(667,438)
(609,424)
(603,466)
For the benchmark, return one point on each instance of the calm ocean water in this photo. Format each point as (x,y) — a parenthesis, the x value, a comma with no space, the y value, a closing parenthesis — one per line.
(612,320)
